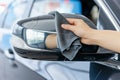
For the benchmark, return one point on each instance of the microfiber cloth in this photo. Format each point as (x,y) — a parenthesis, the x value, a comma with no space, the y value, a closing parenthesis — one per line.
(68,43)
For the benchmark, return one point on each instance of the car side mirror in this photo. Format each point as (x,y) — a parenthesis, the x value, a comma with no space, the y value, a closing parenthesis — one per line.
(28,39)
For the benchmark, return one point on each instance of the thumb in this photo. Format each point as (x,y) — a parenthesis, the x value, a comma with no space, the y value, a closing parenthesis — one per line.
(68,27)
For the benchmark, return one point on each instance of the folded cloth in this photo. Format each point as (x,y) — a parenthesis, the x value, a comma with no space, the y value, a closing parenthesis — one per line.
(68,43)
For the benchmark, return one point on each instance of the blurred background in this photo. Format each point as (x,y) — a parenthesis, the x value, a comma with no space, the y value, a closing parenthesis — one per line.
(3,4)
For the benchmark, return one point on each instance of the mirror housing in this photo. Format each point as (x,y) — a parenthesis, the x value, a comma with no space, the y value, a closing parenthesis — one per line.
(28,41)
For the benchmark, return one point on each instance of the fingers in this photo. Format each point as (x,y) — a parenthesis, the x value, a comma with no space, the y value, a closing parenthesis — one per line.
(72,20)
(68,27)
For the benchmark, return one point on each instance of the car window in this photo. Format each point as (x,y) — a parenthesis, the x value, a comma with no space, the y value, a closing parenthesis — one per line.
(109,14)
(115,7)
(14,11)
(41,7)
(105,22)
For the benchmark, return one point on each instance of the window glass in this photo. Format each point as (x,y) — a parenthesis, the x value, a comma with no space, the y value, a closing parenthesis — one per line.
(15,11)
(115,8)
(41,7)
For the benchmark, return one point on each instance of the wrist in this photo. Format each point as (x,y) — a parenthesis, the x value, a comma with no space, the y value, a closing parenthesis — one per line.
(89,34)
(90,37)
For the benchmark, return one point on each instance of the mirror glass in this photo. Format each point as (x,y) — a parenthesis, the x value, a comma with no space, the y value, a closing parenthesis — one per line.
(35,38)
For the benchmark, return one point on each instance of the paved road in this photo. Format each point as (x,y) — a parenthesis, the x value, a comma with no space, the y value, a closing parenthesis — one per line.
(13,70)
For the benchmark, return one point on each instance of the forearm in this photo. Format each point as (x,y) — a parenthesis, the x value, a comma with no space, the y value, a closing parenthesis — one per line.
(105,38)
(51,41)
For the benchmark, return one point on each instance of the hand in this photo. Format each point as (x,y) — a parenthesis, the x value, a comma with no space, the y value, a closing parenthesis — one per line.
(78,27)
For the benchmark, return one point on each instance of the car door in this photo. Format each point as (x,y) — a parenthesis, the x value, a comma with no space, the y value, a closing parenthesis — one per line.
(13,70)
(2,67)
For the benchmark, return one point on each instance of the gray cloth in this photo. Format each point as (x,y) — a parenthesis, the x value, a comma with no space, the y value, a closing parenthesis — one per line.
(68,43)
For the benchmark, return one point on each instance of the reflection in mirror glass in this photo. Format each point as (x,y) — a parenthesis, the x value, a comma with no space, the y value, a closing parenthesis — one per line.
(34,37)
